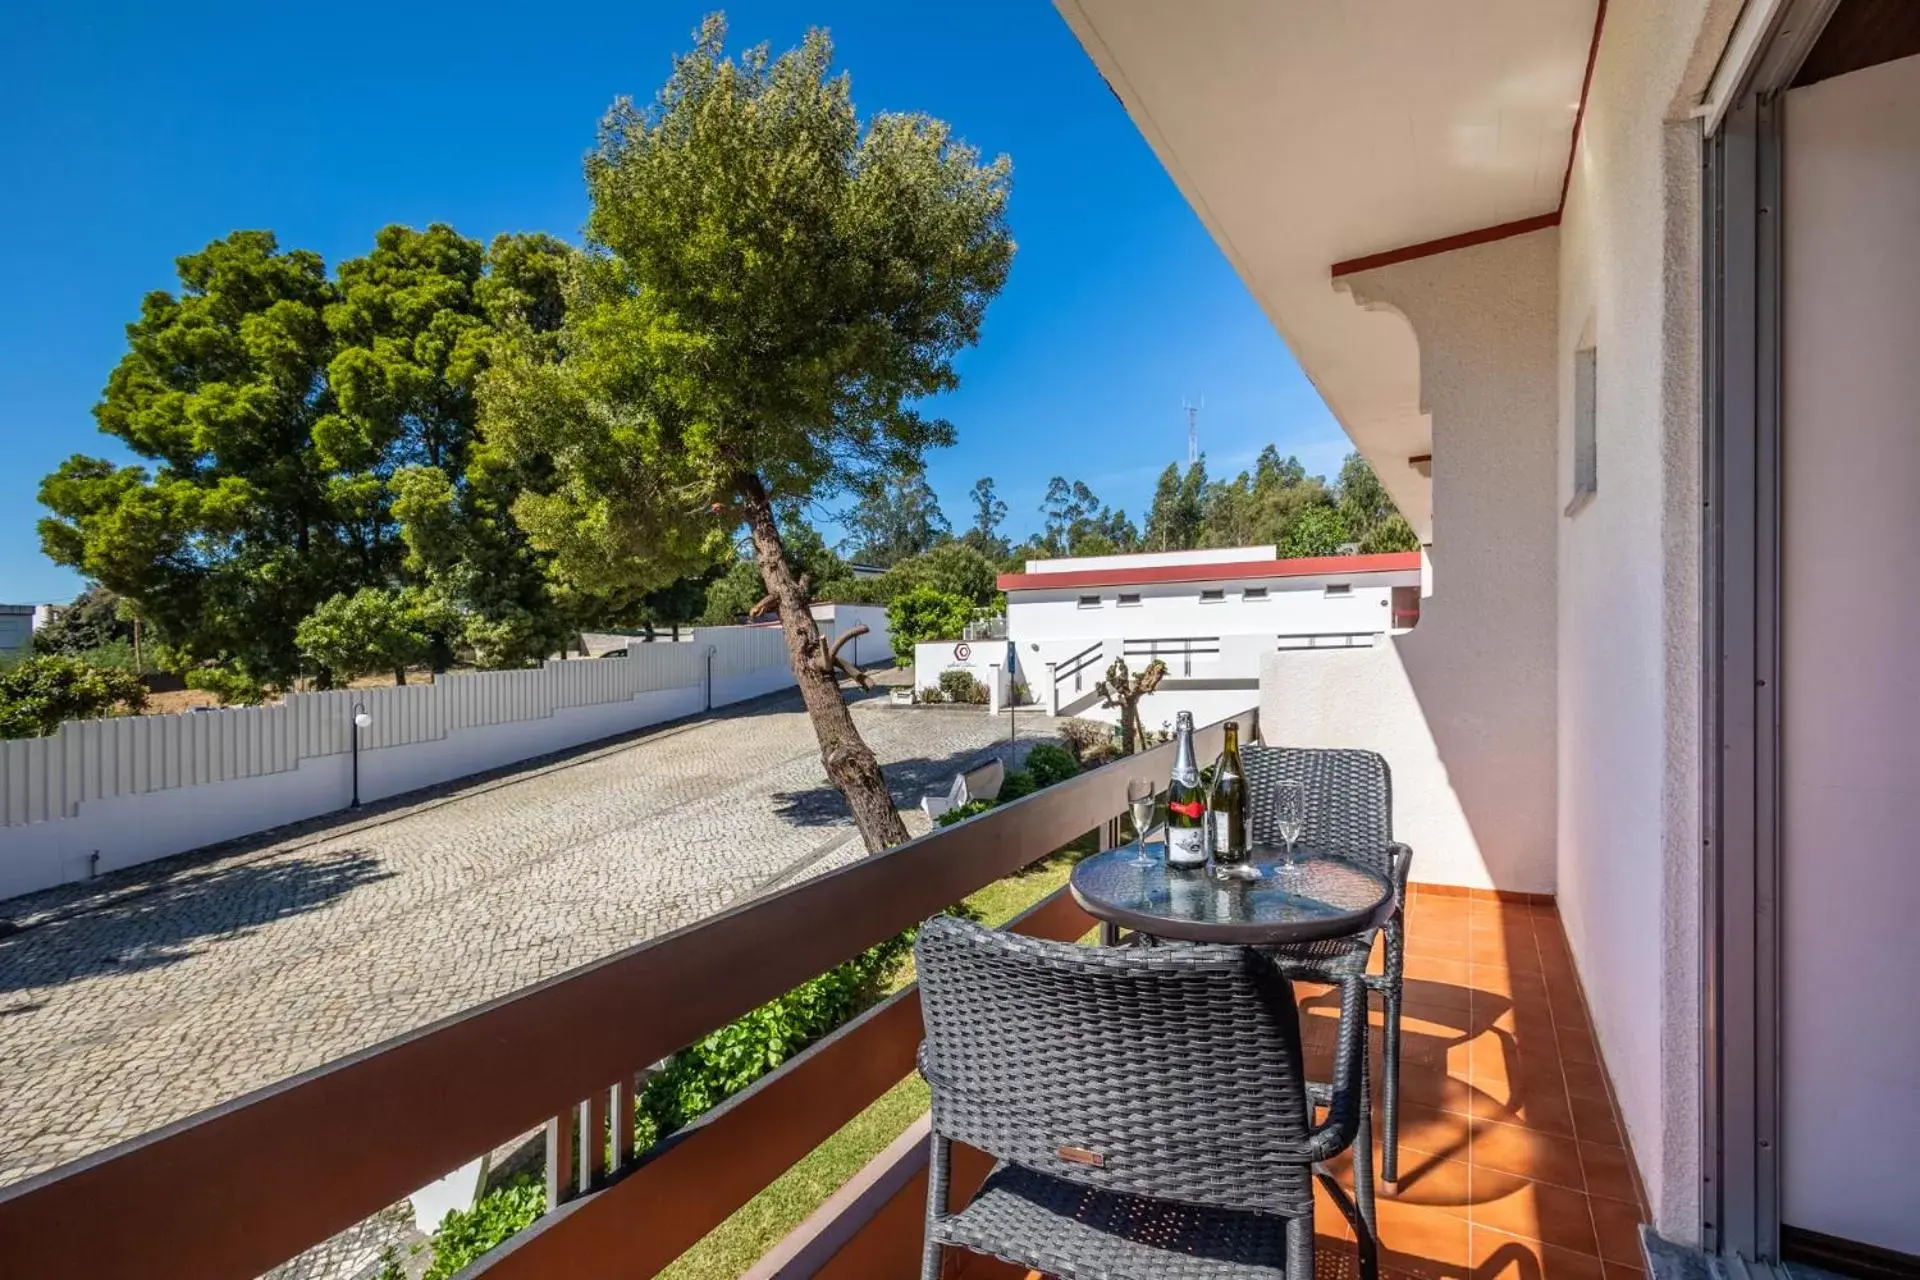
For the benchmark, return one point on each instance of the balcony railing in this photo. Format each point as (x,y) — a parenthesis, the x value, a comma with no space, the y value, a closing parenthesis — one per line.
(240,1188)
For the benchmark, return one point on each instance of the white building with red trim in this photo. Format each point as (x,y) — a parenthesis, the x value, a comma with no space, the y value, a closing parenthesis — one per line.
(1210,615)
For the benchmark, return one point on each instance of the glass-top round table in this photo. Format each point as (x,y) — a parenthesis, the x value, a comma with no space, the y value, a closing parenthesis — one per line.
(1324,895)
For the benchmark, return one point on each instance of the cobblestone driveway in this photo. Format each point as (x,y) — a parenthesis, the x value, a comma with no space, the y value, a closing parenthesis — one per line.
(139,1000)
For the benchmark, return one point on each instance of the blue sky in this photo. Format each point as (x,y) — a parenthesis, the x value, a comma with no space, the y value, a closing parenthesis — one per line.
(138,132)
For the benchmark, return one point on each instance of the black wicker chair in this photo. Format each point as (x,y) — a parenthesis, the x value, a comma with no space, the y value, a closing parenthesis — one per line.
(1146,1107)
(1349,809)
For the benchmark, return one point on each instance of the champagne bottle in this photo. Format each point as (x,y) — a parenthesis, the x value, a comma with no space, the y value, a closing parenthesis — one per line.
(1186,802)
(1227,806)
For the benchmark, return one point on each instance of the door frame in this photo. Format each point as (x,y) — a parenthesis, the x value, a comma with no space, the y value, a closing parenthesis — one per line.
(1740,662)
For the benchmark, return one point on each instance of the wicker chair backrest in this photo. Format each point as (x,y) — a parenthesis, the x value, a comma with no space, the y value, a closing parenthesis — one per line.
(1349,798)
(1168,1072)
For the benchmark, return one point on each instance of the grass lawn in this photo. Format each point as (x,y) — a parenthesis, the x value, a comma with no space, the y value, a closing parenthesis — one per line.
(739,1242)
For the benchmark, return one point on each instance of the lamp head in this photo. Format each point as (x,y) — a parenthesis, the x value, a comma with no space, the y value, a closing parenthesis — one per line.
(361,719)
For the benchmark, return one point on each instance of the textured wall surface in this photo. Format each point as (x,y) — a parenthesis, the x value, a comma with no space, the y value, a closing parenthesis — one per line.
(1629,586)
(1481,662)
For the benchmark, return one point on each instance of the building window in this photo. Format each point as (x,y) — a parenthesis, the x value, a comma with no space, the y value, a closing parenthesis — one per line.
(1339,588)
(1213,595)
(1128,598)
(1586,370)
(1254,593)
(1089,602)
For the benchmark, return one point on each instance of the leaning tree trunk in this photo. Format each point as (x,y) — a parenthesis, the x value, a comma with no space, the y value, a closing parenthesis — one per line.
(849,761)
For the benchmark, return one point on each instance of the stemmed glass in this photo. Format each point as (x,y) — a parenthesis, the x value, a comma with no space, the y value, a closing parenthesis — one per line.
(1140,802)
(1289,816)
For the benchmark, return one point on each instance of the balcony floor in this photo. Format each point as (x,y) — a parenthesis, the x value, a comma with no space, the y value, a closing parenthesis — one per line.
(1512,1160)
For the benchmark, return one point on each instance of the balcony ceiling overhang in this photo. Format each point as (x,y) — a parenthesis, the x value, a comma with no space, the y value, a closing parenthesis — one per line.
(1310,136)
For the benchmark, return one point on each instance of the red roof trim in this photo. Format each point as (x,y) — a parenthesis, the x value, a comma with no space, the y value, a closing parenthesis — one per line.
(1446,244)
(1148,574)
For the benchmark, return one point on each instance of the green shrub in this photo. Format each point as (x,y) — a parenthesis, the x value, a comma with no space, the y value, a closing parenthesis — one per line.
(727,1061)
(38,694)
(932,693)
(960,813)
(961,686)
(464,1235)
(234,688)
(1050,763)
(923,615)
(1090,740)
(1017,783)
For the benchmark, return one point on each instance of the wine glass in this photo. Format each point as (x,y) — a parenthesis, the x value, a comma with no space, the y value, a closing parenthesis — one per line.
(1140,802)
(1289,815)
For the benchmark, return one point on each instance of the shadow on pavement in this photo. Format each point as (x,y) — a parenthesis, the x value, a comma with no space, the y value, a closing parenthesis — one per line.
(162,924)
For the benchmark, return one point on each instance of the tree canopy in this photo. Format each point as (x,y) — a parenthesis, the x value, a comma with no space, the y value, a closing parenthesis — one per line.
(305,438)
(896,517)
(770,293)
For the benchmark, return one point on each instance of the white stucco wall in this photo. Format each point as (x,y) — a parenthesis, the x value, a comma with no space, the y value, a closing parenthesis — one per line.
(1629,586)
(1480,666)
(1168,609)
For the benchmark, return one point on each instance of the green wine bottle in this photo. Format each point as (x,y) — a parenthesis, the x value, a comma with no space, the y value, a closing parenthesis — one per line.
(1227,807)
(1186,802)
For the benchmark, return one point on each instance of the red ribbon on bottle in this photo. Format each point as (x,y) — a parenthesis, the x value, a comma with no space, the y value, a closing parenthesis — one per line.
(1191,809)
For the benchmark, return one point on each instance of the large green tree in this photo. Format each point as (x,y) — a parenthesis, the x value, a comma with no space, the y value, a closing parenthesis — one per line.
(989,513)
(308,438)
(770,292)
(237,528)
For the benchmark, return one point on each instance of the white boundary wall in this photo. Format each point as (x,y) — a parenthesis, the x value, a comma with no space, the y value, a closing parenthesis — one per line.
(100,795)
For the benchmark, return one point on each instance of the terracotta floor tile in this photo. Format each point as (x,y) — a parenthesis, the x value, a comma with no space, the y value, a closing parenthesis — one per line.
(1436,944)
(1495,1255)
(1508,982)
(1593,1120)
(1576,1045)
(1618,1226)
(1428,969)
(1545,1112)
(1552,1215)
(1430,1182)
(1416,1231)
(1328,1221)
(1586,1080)
(1513,1149)
(1439,1000)
(1432,1131)
(1608,1172)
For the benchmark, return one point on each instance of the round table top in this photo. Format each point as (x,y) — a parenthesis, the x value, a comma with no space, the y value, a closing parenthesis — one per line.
(1325,895)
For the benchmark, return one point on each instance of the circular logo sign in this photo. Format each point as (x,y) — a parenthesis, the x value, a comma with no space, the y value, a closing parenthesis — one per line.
(962,651)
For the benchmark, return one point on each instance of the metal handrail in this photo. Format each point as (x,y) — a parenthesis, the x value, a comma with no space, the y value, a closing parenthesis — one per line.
(1079,662)
(241,1187)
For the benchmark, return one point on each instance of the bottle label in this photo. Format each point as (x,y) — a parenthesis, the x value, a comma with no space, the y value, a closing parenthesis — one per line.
(1186,846)
(1222,830)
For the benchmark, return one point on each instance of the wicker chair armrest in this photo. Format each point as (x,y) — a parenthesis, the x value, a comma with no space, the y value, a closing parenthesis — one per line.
(1399,861)
(1336,1133)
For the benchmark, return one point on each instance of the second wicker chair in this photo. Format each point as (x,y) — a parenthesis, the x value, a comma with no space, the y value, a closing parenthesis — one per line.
(1147,1108)
(1350,811)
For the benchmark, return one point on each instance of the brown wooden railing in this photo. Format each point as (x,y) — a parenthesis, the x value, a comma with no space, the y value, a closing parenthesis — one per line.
(241,1187)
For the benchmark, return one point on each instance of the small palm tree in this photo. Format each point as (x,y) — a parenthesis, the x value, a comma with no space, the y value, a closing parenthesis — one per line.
(1121,688)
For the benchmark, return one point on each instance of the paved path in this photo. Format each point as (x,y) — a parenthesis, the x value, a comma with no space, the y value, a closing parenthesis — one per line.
(143,999)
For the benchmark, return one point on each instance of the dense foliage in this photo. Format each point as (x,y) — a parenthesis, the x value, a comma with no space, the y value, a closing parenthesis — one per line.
(39,693)
(308,437)
(924,615)
(896,517)
(1278,503)
(464,1235)
(93,621)
(960,686)
(1049,763)
(378,629)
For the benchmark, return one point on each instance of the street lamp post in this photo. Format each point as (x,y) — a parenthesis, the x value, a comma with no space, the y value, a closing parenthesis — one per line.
(360,721)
